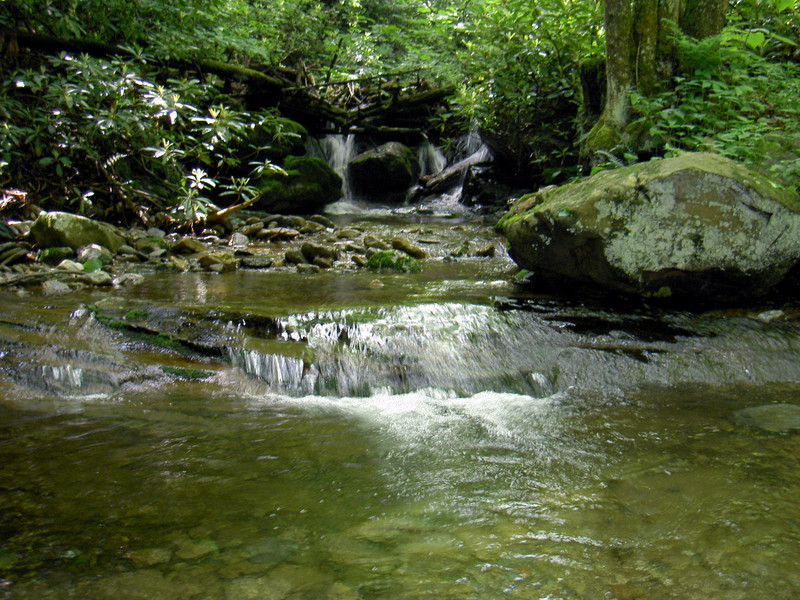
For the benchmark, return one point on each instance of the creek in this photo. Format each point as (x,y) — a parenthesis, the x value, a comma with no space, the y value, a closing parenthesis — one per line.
(445,434)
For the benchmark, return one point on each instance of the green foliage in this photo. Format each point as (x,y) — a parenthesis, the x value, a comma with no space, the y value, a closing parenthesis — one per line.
(524,84)
(101,136)
(728,100)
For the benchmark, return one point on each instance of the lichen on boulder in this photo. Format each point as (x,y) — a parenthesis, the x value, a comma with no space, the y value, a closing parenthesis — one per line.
(698,225)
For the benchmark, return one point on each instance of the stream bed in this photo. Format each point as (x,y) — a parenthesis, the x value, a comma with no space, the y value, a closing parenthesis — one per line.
(271,435)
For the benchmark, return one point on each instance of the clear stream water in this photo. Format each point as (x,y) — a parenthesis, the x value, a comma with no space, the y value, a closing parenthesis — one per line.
(443,435)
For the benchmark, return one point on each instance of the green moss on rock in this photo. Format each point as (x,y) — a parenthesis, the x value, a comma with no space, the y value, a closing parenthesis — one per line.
(390,260)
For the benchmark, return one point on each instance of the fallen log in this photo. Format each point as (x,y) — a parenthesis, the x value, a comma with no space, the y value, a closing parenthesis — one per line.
(269,89)
(444,180)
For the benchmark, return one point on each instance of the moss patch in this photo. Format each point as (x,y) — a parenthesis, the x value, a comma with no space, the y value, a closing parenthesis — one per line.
(389,260)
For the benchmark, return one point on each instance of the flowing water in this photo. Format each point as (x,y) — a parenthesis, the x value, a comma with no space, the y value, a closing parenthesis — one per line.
(358,435)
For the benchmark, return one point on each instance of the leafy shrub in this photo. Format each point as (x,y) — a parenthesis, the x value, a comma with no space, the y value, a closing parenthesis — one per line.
(728,100)
(105,137)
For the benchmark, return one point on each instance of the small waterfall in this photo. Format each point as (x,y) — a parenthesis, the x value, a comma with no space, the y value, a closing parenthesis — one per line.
(336,150)
(431,159)
(63,375)
(283,373)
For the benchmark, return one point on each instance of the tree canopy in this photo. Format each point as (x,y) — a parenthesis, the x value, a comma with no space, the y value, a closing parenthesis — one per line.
(158,124)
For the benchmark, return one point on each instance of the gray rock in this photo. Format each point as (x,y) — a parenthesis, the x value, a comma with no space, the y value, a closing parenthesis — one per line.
(71,266)
(53,287)
(695,226)
(775,418)
(65,229)
(238,240)
(94,251)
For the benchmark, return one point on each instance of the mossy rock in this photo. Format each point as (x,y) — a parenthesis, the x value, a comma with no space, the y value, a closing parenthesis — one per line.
(387,171)
(309,185)
(698,226)
(390,260)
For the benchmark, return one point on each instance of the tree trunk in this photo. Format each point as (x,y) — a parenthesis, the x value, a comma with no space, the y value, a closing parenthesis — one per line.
(640,56)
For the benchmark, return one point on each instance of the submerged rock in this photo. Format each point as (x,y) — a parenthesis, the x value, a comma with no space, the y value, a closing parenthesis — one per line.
(776,418)
(696,226)
(64,229)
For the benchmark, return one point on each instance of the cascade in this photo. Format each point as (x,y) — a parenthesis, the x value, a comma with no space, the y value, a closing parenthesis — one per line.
(431,159)
(337,150)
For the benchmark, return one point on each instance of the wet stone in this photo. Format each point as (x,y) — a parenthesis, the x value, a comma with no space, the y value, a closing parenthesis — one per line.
(775,418)
(53,287)
(192,550)
(312,227)
(402,244)
(238,240)
(257,262)
(312,251)
(322,220)
(323,262)
(373,242)
(294,257)
(348,234)
(252,228)
(70,266)
(149,557)
(188,245)
(487,251)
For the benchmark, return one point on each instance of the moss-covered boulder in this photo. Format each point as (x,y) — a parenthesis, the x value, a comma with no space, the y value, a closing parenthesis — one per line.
(385,172)
(389,260)
(692,227)
(57,229)
(309,185)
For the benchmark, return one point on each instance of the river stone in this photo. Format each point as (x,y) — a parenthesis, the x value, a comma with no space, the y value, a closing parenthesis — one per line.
(65,229)
(312,251)
(218,261)
(53,287)
(94,252)
(402,244)
(776,418)
(188,245)
(695,226)
(387,171)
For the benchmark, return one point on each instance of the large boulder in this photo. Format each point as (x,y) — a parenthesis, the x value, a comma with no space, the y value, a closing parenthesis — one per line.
(54,229)
(309,185)
(696,226)
(385,172)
